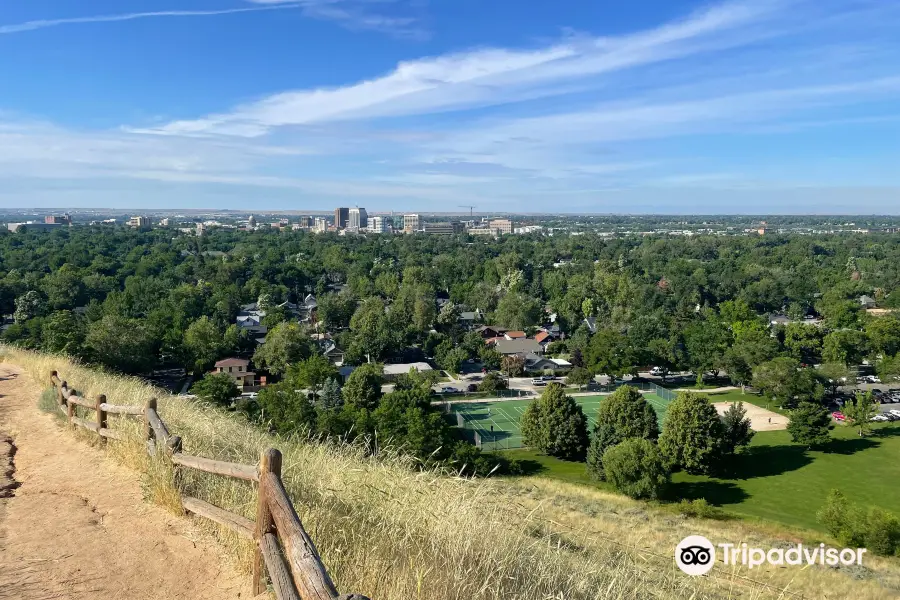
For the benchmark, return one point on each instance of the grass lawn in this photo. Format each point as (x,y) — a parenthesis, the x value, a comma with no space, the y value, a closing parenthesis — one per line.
(777,480)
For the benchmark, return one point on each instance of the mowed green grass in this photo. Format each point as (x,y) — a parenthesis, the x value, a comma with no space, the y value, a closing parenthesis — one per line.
(778,480)
(504,417)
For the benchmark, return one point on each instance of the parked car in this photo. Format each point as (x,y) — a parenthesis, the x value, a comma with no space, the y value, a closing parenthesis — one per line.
(879,417)
(538,381)
(657,372)
(891,417)
(838,416)
(549,377)
(449,390)
(895,412)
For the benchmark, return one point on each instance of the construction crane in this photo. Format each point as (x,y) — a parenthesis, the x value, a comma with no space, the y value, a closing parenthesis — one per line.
(470,207)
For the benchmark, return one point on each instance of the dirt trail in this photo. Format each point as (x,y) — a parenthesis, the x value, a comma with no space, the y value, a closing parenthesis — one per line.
(77,527)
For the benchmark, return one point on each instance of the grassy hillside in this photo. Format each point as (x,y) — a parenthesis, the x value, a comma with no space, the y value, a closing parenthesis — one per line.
(393,533)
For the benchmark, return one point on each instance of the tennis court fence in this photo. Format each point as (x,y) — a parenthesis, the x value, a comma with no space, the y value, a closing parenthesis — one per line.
(475,432)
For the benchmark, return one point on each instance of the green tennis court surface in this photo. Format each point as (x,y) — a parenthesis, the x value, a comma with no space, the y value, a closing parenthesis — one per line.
(496,424)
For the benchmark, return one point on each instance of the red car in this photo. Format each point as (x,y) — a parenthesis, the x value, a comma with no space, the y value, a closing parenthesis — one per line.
(838,416)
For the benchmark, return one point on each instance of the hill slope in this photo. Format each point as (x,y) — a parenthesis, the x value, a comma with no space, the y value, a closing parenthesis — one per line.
(393,533)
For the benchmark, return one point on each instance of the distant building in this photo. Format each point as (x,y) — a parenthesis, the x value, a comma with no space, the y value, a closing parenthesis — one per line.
(139,222)
(411,223)
(867,301)
(238,369)
(58,219)
(502,226)
(201,229)
(449,228)
(32,226)
(391,372)
(341,216)
(518,346)
(164,222)
(306,222)
(358,219)
(481,231)
(321,225)
(376,225)
(251,222)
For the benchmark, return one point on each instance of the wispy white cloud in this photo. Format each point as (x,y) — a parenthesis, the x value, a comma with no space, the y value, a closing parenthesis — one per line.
(45,23)
(484,77)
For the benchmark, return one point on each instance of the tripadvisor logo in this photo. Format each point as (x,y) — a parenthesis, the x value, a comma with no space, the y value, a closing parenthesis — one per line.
(695,555)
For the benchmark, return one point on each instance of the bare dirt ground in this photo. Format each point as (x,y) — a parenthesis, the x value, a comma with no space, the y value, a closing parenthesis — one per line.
(760,418)
(77,527)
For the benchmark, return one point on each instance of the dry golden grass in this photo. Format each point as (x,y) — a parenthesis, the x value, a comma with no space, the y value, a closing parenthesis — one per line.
(394,533)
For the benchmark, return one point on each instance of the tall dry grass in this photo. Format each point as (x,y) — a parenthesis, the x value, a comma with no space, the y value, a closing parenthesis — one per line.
(394,533)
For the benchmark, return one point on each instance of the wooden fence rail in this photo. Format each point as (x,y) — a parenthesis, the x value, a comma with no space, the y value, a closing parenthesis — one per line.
(284,550)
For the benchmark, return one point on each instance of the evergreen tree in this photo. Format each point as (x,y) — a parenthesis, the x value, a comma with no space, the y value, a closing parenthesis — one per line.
(637,468)
(331,396)
(737,427)
(555,424)
(693,435)
(623,414)
(810,425)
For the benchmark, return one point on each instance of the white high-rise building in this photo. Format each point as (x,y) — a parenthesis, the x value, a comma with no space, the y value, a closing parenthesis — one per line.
(321,225)
(411,223)
(357,219)
(376,225)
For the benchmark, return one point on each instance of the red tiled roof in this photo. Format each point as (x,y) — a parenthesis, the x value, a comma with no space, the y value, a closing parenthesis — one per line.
(493,340)
(515,335)
(541,336)
(233,362)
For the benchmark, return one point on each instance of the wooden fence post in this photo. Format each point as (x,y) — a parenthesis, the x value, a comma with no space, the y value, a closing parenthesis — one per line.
(101,415)
(269,462)
(148,429)
(59,393)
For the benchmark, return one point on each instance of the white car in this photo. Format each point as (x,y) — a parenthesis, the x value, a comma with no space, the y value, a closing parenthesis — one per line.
(895,412)
(879,417)
(449,390)
(657,372)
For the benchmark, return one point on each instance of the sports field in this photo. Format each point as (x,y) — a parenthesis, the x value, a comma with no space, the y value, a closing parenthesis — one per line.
(497,422)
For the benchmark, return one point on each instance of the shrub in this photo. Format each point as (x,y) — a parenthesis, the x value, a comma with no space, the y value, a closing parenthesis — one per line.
(637,468)
(693,434)
(624,414)
(699,508)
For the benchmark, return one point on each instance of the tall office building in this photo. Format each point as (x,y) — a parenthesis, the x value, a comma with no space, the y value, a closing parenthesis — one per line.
(341,216)
(306,222)
(357,219)
(411,223)
(321,225)
(501,226)
(376,225)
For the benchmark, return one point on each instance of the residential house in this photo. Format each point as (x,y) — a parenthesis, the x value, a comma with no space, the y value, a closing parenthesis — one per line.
(515,335)
(250,319)
(591,324)
(470,318)
(544,338)
(490,331)
(867,301)
(331,351)
(539,364)
(519,346)
(776,320)
(238,369)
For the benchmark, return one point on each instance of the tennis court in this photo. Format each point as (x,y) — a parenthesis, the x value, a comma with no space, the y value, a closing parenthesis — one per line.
(495,425)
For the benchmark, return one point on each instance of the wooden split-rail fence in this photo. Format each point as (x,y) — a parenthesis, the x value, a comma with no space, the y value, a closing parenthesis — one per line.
(283,548)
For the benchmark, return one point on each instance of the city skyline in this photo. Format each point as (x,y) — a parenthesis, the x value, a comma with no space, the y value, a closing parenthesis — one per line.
(735,107)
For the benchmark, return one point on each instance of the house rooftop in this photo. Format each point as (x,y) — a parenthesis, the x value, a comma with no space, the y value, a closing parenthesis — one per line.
(520,346)
(403,368)
(233,362)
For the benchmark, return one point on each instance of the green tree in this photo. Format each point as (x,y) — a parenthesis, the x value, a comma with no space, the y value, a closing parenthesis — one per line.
(835,374)
(555,424)
(312,374)
(286,343)
(63,332)
(363,387)
(579,376)
(860,412)
(490,358)
(331,396)
(216,388)
(783,380)
(512,365)
(374,337)
(810,425)
(285,409)
(623,414)
(884,334)
(693,435)
(517,311)
(803,342)
(846,346)
(888,368)
(29,305)
(636,468)
(335,310)
(492,383)
(737,427)
(203,344)
(706,342)
(608,353)
(122,344)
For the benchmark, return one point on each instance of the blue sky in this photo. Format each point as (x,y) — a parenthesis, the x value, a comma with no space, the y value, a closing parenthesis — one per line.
(767,106)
